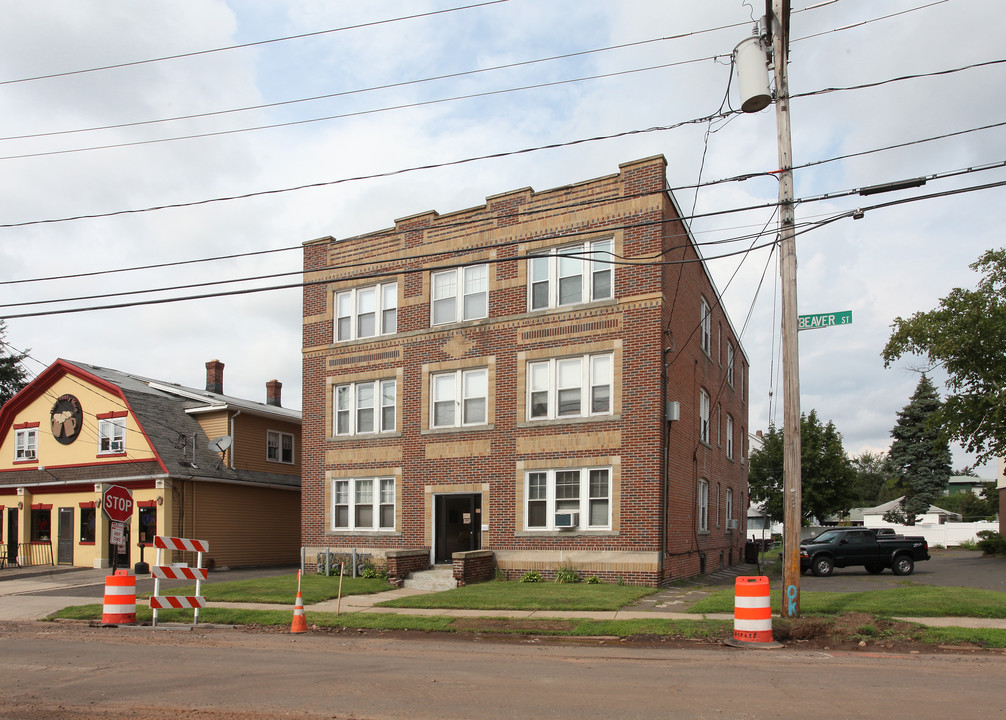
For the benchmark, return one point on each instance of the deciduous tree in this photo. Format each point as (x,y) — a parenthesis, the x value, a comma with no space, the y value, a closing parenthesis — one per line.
(13,375)
(826,474)
(966,336)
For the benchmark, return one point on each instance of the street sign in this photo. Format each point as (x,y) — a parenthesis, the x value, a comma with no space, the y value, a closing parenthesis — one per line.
(117,535)
(118,503)
(823,320)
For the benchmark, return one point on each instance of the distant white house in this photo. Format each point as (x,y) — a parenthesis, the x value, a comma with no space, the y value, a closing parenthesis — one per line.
(874,517)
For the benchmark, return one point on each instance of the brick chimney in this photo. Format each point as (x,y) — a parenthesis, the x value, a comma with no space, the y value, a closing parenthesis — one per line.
(273,393)
(215,377)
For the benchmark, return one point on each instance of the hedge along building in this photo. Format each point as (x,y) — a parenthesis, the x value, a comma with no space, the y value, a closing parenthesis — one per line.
(549,377)
(77,429)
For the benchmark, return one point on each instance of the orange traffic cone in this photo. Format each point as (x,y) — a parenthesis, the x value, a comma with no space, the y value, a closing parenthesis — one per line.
(299,624)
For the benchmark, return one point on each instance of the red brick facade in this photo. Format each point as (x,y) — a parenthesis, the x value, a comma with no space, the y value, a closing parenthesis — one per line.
(633,477)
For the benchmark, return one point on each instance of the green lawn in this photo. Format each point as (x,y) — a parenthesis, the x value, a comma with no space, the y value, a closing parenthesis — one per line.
(908,600)
(282,589)
(527,596)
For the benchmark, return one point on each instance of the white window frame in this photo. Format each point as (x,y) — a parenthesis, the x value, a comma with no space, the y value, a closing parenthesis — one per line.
(588,376)
(363,497)
(354,304)
(703,416)
(703,505)
(730,363)
(729,505)
(26,444)
(111,436)
(383,406)
(464,386)
(462,292)
(730,437)
(278,445)
(590,261)
(705,323)
(594,489)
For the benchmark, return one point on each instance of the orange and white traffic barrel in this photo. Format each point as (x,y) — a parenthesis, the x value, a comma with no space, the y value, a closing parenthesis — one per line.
(119,607)
(752,613)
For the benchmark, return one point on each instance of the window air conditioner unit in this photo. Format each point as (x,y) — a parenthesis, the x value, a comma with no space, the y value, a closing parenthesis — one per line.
(567,519)
(732,524)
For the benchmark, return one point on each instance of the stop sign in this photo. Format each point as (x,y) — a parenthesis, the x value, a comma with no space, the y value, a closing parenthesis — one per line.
(118,503)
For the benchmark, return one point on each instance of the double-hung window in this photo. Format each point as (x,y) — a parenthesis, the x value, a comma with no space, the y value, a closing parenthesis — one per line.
(571,274)
(460,294)
(704,416)
(705,321)
(26,444)
(730,363)
(363,504)
(366,312)
(365,407)
(459,398)
(111,435)
(729,507)
(703,505)
(577,498)
(569,387)
(279,447)
(730,437)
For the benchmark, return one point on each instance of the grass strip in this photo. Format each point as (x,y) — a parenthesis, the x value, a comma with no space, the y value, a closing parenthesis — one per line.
(527,596)
(910,600)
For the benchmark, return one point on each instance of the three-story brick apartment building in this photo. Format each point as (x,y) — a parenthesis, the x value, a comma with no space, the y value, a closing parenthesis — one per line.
(549,377)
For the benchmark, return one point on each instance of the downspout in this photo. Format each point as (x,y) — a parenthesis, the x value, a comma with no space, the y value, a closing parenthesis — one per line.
(665,433)
(233,444)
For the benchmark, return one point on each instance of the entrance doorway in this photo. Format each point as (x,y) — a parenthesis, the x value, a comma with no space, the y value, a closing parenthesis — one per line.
(64,537)
(457,525)
(12,536)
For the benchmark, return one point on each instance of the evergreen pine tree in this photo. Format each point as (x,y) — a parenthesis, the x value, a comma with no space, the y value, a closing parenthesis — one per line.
(13,376)
(919,455)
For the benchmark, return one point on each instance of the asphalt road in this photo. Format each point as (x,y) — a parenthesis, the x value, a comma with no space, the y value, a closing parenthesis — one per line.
(146,674)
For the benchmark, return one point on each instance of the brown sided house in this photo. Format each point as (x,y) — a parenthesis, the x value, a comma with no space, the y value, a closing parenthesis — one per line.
(78,428)
(546,380)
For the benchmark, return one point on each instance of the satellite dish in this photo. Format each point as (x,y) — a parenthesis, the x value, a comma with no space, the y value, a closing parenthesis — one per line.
(220,444)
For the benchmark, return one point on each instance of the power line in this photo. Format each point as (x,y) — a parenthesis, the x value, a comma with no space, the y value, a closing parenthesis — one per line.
(399,271)
(248,45)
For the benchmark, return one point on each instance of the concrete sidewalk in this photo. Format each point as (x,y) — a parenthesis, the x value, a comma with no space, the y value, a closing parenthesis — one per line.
(30,594)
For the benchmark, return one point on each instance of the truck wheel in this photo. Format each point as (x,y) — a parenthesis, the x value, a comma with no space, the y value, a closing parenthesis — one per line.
(903,565)
(822,566)
(875,569)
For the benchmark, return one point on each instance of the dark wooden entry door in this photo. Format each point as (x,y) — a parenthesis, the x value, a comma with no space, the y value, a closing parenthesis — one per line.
(458,525)
(12,536)
(64,540)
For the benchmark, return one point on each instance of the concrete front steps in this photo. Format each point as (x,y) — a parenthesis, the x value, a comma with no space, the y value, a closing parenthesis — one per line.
(441,577)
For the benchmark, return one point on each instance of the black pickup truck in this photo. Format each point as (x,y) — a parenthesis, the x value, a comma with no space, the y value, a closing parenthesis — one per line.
(845,547)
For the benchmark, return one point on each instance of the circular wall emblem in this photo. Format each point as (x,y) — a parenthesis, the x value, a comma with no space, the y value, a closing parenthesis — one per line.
(67,418)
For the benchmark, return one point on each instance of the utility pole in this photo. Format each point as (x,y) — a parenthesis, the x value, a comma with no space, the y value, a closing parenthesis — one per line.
(778,24)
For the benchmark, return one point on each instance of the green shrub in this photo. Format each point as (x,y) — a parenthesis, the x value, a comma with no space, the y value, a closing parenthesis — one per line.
(991,543)
(374,572)
(592,580)
(567,574)
(532,576)
(966,545)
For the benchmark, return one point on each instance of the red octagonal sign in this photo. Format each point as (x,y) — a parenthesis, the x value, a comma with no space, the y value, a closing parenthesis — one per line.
(118,503)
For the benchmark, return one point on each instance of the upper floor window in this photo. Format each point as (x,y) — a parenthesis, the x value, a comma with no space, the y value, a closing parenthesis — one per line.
(111,435)
(703,505)
(730,437)
(729,512)
(730,363)
(365,407)
(279,447)
(460,294)
(26,444)
(363,504)
(578,498)
(704,416)
(366,312)
(460,398)
(571,274)
(706,338)
(569,387)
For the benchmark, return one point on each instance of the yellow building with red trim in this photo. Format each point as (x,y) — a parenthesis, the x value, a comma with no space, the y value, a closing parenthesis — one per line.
(198,463)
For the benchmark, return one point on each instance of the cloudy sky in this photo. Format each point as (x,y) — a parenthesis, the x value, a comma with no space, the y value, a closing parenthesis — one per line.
(243,99)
